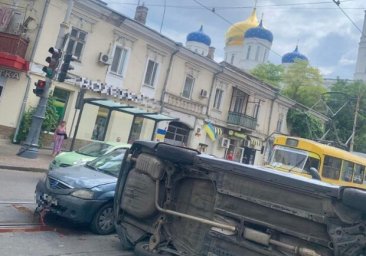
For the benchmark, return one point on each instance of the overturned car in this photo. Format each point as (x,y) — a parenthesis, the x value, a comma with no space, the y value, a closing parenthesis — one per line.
(175,201)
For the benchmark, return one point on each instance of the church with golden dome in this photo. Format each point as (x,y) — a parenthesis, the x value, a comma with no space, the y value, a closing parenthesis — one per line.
(248,43)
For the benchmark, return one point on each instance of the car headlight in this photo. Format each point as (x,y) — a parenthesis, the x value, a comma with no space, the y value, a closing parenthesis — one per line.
(83,194)
(81,161)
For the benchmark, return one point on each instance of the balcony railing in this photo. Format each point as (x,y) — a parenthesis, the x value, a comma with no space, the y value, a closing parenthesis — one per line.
(13,44)
(242,120)
(184,104)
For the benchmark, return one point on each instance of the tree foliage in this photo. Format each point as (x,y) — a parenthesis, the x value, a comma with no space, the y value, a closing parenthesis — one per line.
(49,123)
(303,83)
(303,125)
(269,73)
(342,126)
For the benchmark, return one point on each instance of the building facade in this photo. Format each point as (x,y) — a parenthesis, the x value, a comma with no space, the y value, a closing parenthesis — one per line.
(217,108)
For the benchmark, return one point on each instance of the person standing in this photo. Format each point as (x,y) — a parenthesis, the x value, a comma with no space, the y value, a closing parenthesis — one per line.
(230,156)
(58,138)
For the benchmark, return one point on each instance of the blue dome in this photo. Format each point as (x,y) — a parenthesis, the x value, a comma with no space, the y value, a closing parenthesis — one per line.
(292,56)
(199,37)
(259,32)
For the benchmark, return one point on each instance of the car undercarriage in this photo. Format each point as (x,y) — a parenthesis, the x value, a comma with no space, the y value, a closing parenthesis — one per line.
(174,201)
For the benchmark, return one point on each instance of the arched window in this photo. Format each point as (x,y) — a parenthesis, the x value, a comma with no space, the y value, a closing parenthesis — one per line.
(177,134)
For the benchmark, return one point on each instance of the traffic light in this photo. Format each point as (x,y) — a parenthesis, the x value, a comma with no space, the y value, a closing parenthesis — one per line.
(40,86)
(65,67)
(53,62)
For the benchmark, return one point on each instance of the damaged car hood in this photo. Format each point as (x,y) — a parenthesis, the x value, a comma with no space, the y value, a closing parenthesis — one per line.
(81,177)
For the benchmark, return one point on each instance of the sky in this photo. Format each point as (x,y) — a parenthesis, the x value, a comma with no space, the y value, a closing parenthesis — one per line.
(326,33)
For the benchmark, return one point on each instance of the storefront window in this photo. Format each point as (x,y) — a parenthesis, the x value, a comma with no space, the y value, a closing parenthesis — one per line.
(60,103)
(100,125)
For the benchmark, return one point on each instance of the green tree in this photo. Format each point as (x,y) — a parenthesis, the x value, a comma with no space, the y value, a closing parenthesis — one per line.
(269,73)
(303,125)
(49,123)
(342,123)
(303,83)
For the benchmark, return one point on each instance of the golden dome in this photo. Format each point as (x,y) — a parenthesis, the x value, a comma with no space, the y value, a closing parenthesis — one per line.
(235,34)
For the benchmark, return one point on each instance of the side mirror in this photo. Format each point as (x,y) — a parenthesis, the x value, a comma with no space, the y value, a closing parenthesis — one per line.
(314,173)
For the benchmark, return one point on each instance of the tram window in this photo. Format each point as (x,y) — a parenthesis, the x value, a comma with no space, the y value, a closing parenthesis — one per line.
(311,162)
(347,171)
(332,167)
(359,174)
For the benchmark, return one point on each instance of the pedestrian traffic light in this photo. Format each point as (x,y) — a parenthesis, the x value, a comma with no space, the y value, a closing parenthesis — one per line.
(53,62)
(65,67)
(40,86)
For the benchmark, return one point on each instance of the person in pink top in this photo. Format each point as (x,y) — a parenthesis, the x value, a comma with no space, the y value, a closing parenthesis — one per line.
(58,138)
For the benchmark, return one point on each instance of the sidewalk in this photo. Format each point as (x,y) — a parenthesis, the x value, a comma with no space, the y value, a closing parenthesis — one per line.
(10,160)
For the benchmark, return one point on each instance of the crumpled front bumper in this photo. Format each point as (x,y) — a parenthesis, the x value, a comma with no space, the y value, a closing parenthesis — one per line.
(67,206)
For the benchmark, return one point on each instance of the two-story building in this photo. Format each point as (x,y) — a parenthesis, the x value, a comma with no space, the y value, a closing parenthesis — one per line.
(156,87)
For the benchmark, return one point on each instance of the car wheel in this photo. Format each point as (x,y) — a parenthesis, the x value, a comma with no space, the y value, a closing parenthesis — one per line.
(142,249)
(103,220)
(125,243)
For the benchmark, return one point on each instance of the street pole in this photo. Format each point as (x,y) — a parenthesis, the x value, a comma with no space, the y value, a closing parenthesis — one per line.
(30,147)
(354,123)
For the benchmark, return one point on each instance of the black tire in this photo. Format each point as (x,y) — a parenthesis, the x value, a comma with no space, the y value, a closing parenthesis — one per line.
(141,249)
(125,243)
(103,220)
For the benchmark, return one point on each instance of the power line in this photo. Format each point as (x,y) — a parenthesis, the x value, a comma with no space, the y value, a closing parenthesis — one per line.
(338,3)
(223,18)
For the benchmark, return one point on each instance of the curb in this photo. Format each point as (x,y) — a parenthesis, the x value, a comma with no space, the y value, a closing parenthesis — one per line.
(23,168)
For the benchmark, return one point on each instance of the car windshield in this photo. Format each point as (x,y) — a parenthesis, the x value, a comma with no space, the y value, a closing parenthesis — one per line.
(95,149)
(109,163)
(288,158)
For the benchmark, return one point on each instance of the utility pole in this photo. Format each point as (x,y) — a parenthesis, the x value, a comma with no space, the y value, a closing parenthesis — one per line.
(354,123)
(30,147)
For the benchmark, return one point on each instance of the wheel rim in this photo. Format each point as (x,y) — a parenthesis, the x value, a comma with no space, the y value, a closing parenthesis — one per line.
(106,219)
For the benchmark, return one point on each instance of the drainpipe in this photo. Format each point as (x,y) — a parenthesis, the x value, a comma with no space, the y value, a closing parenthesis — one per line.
(270,116)
(166,79)
(25,97)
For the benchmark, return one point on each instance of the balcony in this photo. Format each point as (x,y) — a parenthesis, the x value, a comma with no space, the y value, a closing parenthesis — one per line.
(242,120)
(13,49)
(13,44)
(184,104)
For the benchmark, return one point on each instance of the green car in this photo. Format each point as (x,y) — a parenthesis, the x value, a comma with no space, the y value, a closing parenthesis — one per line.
(85,154)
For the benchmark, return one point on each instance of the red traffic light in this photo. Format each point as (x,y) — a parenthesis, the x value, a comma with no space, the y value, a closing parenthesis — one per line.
(41,83)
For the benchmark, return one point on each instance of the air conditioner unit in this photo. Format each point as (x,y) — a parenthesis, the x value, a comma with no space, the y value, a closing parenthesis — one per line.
(203,93)
(105,59)
(225,143)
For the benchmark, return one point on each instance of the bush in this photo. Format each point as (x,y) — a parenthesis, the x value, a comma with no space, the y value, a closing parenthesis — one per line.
(49,123)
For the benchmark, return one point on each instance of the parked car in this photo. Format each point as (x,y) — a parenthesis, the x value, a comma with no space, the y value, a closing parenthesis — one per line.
(175,201)
(85,154)
(83,193)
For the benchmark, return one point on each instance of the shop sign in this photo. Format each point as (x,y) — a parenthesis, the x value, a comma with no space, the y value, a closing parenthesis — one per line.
(9,74)
(237,134)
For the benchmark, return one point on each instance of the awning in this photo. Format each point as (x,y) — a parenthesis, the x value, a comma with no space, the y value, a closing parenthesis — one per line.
(110,104)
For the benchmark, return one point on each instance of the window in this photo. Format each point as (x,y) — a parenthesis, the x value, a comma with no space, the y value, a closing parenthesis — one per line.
(279,123)
(151,71)
(188,86)
(232,59)
(265,55)
(76,42)
(119,59)
(257,53)
(248,52)
(218,98)
(358,174)
(332,167)
(2,84)
(347,171)
(238,99)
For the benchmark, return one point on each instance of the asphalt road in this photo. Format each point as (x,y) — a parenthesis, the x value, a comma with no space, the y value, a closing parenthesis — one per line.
(59,237)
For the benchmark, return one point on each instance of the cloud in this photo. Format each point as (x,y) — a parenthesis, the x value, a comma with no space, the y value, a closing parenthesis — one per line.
(324,34)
